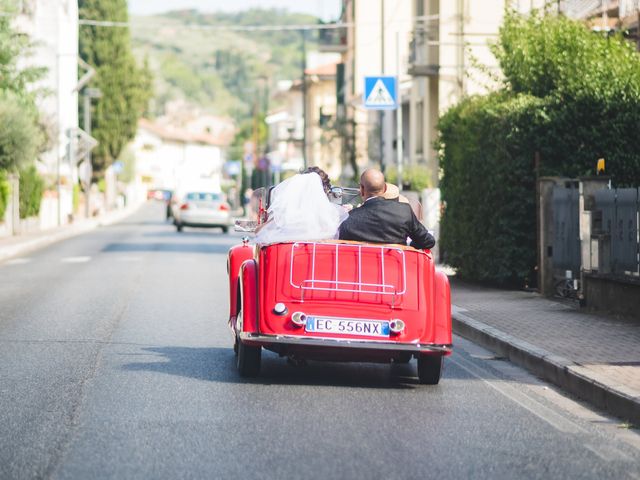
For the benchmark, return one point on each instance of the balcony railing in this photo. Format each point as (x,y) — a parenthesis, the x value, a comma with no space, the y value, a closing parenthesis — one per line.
(423,55)
(333,40)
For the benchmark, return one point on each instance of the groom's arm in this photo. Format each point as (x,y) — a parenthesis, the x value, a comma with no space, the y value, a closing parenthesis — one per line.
(419,235)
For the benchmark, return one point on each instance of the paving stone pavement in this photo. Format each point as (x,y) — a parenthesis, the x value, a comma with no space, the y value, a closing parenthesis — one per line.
(605,349)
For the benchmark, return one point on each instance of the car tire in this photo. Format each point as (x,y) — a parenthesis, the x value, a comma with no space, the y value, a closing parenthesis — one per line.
(225,229)
(429,369)
(403,358)
(179,227)
(248,360)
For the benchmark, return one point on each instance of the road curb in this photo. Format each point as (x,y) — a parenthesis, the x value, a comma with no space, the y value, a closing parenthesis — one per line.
(48,238)
(558,370)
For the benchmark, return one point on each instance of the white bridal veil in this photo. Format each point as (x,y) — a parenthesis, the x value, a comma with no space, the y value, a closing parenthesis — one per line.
(300,210)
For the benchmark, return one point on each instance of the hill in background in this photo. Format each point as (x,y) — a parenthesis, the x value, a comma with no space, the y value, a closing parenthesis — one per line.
(216,69)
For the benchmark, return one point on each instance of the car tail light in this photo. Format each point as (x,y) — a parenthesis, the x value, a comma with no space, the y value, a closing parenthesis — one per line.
(299,319)
(184,206)
(396,325)
(223,207)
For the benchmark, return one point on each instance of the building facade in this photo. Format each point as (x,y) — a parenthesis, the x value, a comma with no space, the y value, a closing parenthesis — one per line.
(177,158)
(439,49)
(52,25)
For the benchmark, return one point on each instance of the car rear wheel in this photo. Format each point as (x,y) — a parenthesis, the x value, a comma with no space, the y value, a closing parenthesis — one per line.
(179,227)
(248,360)
(225,229)
(429,369)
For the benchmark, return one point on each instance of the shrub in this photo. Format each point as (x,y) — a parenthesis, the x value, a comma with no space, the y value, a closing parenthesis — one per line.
(31,188)
(4,194)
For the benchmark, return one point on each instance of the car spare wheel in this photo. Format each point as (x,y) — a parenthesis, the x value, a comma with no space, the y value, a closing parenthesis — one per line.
(248,360)
(429,369)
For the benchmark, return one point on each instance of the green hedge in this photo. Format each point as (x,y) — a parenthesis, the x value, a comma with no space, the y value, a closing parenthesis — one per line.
(4,194)
(559,99)
(487,231)
(31,188)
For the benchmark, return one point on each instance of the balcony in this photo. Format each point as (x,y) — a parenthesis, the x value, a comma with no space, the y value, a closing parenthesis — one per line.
(332,40)
(423,56)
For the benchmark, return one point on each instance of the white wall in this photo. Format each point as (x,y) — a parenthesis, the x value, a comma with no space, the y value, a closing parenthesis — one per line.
(53,27)
(176,165)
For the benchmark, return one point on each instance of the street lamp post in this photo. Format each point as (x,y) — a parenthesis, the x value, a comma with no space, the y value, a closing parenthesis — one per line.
(89,93)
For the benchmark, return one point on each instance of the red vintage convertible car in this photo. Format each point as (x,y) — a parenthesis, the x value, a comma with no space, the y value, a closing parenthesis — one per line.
(338,301)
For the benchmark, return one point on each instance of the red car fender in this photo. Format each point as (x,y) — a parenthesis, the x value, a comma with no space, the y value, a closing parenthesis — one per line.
(249,296)
(442,309)
(237,256)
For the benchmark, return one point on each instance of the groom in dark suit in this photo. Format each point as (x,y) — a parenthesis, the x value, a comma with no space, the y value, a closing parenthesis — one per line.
(383,221)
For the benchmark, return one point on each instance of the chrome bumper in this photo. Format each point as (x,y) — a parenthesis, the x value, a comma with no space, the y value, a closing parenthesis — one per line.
(344,343)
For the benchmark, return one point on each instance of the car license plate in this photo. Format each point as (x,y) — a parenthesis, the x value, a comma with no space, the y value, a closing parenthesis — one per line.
(373,328)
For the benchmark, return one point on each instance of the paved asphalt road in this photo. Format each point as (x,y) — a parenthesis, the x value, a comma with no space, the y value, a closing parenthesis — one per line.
(116,362)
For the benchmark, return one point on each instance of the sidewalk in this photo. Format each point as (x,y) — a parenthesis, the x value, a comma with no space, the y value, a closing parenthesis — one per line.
(16,245)
(594,357)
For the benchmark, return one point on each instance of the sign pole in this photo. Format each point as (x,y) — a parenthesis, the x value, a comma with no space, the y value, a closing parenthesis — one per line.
(399,139)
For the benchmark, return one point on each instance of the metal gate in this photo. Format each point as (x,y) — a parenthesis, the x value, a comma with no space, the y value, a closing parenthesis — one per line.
(566,231)
(620,210)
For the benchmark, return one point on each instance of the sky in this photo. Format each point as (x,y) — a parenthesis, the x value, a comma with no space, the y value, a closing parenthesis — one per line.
(326,9)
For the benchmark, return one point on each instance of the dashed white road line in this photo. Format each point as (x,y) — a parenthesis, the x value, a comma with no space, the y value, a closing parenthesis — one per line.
(75,259)
(18,261)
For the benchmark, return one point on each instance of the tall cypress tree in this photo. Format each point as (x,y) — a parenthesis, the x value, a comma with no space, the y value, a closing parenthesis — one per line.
(125,86)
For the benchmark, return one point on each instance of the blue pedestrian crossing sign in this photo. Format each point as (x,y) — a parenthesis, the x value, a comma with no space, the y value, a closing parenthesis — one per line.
(380,93)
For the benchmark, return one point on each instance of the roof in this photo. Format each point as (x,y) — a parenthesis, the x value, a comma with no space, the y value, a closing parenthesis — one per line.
(174,134)
(328,69)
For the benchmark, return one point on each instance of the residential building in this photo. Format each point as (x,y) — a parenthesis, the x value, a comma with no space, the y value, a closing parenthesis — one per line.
(285,128)
(308,114)
(323,143)
(606,15)
(440,52)
(177,158)
(375,43)
(52,25)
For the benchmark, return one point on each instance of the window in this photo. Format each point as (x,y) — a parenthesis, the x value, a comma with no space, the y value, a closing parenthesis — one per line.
(203,197)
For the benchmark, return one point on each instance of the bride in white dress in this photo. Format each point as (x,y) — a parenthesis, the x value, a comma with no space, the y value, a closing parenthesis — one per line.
(301,210)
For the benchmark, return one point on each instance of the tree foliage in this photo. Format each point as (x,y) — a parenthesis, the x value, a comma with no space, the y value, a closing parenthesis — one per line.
(569,94)
(216,69)
(125,87)
(16,79)
(21,136)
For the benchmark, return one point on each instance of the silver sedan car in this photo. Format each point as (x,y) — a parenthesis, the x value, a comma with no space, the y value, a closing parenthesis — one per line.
(202,209)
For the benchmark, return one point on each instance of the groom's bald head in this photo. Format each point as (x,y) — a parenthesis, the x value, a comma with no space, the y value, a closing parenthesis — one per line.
(372,183)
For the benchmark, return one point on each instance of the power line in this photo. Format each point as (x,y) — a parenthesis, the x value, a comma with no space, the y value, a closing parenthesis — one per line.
(241,28)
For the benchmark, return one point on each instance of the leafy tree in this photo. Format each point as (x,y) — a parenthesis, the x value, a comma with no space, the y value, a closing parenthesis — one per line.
(125,87)
(14,46)
(570,95)
(20,135)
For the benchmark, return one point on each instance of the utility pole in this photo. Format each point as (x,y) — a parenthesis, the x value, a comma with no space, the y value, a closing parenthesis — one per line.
(89,93)
(382,112)
(304,98)
(399,138)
